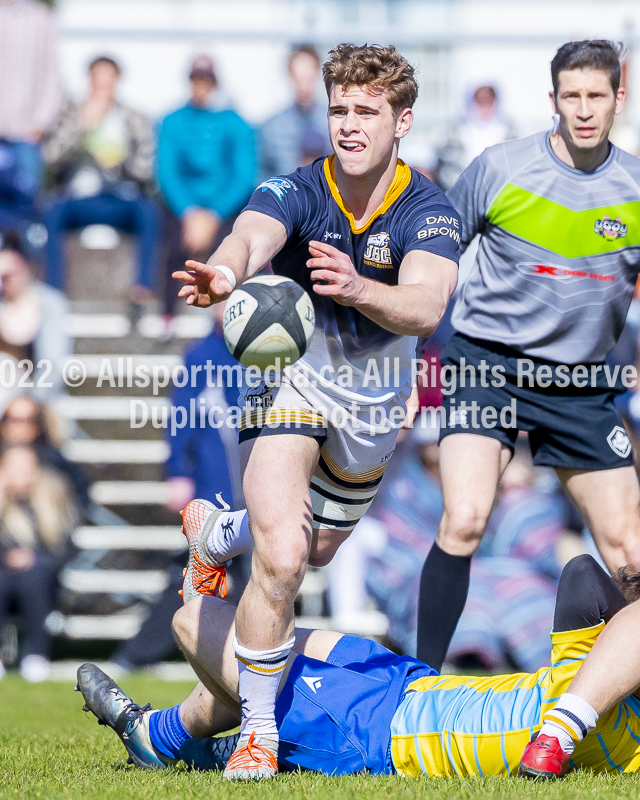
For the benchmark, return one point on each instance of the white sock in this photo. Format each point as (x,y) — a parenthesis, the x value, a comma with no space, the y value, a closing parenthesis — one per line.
(230,536)
(260,673)
(570,721)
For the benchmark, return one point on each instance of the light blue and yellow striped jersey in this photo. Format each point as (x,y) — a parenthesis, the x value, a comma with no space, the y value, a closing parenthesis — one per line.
(460,725)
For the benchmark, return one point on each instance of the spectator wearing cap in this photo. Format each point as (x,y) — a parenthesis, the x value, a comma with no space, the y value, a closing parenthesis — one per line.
(206,167)
(101,153)
(30,99)
(297,135)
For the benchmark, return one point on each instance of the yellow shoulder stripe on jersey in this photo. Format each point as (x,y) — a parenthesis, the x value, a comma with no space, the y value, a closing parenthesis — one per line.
(398,185)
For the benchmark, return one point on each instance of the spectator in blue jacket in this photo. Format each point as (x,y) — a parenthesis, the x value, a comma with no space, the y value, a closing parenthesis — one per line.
(204,461)
(206,168)
(299,134)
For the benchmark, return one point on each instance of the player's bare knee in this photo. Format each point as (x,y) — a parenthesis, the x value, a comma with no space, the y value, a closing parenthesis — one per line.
(184,624)
(462,529)
(281,572)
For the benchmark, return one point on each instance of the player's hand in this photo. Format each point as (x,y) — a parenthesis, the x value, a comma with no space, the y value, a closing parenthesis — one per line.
(204,285)
(334,274)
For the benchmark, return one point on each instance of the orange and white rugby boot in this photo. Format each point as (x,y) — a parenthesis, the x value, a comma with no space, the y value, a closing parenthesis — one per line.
(255,758)
(203,574)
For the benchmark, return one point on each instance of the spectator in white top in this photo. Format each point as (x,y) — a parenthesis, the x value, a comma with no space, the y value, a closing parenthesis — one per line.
(482,125)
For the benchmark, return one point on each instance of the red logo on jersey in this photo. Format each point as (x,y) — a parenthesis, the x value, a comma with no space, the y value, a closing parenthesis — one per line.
(563,272)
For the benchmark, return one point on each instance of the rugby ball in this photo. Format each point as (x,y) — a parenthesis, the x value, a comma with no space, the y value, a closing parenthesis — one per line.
(269,317)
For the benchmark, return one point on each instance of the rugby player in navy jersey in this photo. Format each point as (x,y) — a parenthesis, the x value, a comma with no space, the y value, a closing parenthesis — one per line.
(376,246)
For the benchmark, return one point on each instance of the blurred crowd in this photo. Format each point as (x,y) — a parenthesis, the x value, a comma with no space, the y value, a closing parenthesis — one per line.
(176,186)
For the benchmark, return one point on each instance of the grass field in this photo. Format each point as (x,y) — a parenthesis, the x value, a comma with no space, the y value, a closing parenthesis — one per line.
(50,749)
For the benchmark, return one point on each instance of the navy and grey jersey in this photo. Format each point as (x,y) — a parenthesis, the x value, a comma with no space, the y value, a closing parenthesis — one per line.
(559,252)
(415,215)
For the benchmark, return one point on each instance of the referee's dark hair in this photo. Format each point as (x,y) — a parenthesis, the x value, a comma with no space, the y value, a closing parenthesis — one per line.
(589,54)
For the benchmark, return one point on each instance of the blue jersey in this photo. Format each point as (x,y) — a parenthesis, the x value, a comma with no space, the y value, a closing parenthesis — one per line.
(415,215)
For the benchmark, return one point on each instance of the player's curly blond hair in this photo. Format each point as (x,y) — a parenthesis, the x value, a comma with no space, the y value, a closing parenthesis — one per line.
(379,68)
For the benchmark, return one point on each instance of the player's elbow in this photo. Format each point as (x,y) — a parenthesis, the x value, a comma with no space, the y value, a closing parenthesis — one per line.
(431,320)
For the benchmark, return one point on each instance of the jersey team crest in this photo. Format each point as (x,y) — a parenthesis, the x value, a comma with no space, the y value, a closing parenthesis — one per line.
(610,229)
(378,252)
(279,186)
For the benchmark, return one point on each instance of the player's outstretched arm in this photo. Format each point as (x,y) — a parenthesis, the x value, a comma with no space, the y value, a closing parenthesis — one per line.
(414,307)
(255,239)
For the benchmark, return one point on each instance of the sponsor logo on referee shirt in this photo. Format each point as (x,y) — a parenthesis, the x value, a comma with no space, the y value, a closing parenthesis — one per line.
(619,442)
(378,252)
(610,229)
(553,271)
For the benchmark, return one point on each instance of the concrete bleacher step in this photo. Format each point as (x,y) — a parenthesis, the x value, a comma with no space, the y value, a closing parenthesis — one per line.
(105,408)
(116,581)
(119,363)
(116,493)
(150,326)
(116,451)
(104,581)
(121,537)
(118,627)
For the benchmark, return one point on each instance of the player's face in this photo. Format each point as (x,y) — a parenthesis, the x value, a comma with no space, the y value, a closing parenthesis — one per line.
(586,105)
(364,129)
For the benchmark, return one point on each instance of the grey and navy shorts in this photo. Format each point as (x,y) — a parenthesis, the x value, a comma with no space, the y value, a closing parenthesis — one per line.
(574,427)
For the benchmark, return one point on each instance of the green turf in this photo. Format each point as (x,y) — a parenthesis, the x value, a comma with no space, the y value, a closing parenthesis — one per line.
(50,749)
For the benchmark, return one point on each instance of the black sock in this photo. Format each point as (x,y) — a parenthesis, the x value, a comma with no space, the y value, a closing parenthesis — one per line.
(444,586)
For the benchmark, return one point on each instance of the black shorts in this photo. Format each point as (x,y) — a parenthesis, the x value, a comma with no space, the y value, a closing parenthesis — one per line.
(576,427)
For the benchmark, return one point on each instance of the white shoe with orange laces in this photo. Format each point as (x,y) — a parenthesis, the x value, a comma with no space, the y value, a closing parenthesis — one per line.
(254,759)
(203,575)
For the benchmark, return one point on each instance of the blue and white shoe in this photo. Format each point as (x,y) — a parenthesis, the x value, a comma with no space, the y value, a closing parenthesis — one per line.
(209,755)
(113,707)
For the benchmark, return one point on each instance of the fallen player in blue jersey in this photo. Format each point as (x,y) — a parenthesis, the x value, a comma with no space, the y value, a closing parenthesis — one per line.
(348,704)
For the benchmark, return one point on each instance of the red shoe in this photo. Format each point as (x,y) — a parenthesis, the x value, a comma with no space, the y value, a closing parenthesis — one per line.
(544,758)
